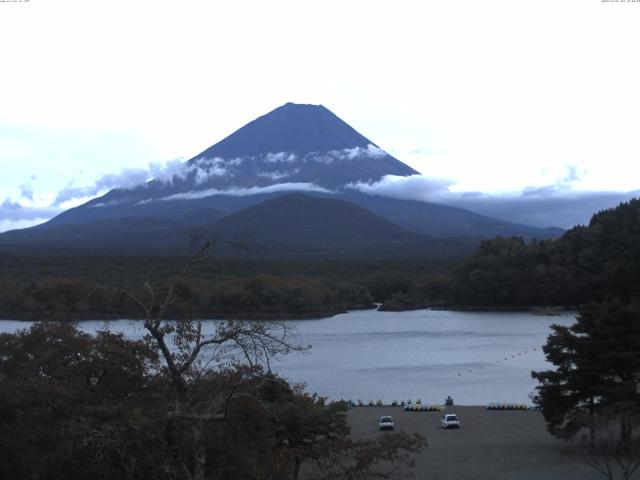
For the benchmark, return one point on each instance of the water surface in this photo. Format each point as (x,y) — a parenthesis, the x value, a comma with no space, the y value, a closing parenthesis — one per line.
(476,357)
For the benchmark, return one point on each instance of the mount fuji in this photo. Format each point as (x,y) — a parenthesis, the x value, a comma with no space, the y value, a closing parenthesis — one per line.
(242,185)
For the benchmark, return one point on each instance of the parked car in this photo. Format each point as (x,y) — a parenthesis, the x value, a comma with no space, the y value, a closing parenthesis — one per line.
(450,420)
(386,423)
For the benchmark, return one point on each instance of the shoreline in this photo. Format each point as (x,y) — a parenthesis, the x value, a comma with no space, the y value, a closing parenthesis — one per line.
(544,311)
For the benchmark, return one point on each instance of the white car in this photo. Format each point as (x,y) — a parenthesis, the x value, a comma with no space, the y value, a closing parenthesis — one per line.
(450,420)
(386,423)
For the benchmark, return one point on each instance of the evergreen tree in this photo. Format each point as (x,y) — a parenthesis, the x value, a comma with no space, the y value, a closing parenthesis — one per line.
(597,369)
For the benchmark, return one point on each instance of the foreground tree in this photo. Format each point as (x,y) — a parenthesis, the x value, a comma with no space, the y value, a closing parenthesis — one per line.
(596,382)
(66,397)
(76,406)
(597,363)
(190,354)
(193,400)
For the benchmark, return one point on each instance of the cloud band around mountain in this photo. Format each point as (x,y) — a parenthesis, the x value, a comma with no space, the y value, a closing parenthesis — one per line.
(551,205)
(240,192)
(543,206)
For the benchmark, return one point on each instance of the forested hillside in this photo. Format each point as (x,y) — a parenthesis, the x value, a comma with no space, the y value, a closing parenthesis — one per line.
(257,296)
(74,288)
(588,263)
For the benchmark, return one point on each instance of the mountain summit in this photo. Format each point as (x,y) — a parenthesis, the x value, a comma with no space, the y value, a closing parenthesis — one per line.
(295,144)
(291,144)
(295,128)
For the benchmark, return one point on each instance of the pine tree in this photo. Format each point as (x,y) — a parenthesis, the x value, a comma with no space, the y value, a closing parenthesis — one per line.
(597,364)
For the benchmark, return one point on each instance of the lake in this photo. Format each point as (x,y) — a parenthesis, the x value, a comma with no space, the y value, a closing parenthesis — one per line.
(475,357)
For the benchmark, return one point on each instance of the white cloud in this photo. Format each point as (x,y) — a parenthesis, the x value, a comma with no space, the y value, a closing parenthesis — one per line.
(201,176)
(165,172)
(550,207)
(277,175)
(112,203)
(13,214)
(320,158)
(8,224)
(429,189)
(201,171)
(26,191)
(10,205)
(126,178)
(345,154)
(413,187)
(557,204)
(240,192)
(280,157)
(205,168)
(75,202)
(357,152)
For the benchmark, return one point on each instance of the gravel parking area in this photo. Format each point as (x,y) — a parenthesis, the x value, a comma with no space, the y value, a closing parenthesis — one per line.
(491,445)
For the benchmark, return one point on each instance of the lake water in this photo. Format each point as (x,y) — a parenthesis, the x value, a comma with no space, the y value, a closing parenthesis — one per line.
(476,357)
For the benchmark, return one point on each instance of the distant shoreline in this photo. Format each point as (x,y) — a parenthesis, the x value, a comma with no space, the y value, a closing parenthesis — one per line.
(315,315)
(548,310)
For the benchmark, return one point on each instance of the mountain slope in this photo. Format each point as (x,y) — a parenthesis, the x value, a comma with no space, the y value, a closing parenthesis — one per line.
(293,148)
(301,218)
(288,226)
(413,216)
(444,221)
(125,235)
(298,225)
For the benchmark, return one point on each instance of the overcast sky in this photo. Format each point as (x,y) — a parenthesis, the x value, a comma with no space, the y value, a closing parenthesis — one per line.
(511,99)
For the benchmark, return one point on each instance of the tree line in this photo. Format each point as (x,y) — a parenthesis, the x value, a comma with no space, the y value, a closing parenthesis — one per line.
(588,263)
(258,296)
(74,288)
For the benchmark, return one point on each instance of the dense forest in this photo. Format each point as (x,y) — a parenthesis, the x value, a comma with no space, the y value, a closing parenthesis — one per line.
(55,288)
(588,263)
(260,296)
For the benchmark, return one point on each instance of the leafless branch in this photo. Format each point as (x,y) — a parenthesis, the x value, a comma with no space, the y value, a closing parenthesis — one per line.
(610,454)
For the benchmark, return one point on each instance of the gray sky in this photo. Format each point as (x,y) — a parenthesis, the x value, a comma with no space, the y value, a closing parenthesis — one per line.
(521,100)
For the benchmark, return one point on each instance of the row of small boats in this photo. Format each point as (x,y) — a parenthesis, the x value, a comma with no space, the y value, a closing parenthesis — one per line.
(420,407)
(509,406)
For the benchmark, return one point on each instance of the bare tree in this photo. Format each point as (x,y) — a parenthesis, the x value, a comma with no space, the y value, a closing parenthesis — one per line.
(189,352)
(612,447)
